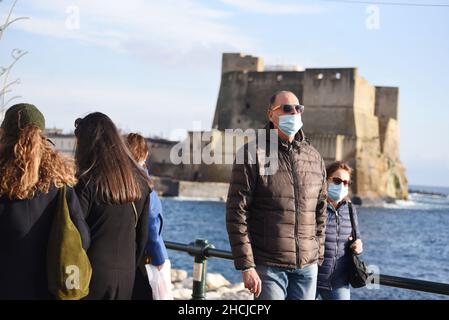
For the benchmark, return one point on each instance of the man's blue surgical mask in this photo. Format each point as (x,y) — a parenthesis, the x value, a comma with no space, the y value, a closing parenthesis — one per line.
(290,124)
(337,191)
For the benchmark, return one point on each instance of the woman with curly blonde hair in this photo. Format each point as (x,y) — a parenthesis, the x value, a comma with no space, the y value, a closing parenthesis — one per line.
(31,172)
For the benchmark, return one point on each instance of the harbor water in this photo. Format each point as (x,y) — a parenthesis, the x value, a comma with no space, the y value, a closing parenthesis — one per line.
(407,239)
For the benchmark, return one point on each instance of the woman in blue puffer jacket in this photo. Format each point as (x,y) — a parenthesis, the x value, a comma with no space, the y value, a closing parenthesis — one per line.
(155,250)
(333,274)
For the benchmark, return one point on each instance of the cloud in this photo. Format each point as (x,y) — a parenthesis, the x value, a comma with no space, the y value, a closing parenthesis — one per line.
(170,31)
(132,108)
(265,7)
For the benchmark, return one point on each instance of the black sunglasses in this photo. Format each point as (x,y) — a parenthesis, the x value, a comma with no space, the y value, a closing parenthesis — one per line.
(288,108)
(338,181)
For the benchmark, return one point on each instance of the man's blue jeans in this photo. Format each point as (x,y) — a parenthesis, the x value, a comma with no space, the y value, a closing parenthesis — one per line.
(288,284)
(342,293)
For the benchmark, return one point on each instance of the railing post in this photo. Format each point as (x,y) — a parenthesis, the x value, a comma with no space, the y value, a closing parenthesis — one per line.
(199,269)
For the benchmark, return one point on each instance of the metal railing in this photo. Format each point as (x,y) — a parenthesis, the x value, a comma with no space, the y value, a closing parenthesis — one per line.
(201,250)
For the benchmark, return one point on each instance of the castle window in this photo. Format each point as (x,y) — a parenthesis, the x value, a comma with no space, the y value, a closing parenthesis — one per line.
(279,77)
(337,76)
(319,76)
(247,105)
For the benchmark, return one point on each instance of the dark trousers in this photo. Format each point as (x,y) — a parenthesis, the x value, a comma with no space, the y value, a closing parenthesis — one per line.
(142,289)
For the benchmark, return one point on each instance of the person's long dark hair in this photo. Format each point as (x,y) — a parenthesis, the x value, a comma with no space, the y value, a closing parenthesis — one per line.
(102,158)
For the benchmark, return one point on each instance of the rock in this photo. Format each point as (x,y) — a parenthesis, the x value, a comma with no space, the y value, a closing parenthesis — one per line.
(182,294)
(218,288)
(178,275)
(215,281)
(224,290)
(213,295)
(187,283)
(237,295)
(177,285)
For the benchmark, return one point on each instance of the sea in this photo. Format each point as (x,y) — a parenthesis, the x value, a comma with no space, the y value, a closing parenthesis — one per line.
(406,239)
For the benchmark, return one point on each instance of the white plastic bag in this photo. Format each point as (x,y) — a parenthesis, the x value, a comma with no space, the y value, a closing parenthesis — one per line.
(160,281)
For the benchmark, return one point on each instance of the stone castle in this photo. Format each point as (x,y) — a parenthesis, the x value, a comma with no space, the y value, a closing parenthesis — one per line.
(346,118)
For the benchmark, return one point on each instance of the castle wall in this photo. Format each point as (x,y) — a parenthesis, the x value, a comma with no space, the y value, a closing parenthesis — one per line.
(387,102)
(334,147)
(386,109)
(364,96)
(329,87)
(231,100)
(335,120)
(389,137)
(366,122)
(328,101)
(223,148)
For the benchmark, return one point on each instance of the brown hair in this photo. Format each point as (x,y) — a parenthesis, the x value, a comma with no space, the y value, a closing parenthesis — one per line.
(335,166)
(103,159)
(29,164)
(138,146)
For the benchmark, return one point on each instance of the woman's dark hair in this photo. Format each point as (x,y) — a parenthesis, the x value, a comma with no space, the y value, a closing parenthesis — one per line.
(102,158)
(337,165)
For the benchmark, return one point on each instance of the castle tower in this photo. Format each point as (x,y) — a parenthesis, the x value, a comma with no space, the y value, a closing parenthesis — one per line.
(240,62)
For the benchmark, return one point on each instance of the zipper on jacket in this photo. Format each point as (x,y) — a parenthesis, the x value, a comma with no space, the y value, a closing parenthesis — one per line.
(337,222)
(296,193)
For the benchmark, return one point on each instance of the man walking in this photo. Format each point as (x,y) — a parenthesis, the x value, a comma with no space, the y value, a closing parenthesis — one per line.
(276,222)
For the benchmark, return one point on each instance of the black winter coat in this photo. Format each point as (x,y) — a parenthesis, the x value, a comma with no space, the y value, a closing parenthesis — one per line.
(24,230)
(118,240)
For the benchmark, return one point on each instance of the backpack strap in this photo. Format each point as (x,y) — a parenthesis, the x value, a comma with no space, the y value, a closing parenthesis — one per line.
(135,214)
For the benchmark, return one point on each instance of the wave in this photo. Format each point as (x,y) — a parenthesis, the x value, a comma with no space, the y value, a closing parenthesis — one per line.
(419,201)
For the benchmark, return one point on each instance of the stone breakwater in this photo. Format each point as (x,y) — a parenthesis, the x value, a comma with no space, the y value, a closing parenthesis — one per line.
(217,287)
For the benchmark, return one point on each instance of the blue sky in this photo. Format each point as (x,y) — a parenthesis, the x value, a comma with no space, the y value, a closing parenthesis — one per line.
(154,66)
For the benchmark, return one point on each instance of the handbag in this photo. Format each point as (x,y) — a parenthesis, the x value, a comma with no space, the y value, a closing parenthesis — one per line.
(68,267)
(358,273)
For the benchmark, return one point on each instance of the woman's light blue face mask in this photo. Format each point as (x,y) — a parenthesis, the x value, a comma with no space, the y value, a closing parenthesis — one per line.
(337,192)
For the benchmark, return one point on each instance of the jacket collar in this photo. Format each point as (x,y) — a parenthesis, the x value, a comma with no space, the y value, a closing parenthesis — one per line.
(342,203)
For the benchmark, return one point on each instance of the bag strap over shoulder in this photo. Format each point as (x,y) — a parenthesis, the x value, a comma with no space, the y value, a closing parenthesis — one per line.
(136,216)
(353,224)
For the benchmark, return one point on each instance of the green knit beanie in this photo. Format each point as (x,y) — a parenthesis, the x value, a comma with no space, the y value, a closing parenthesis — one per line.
(20,116)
